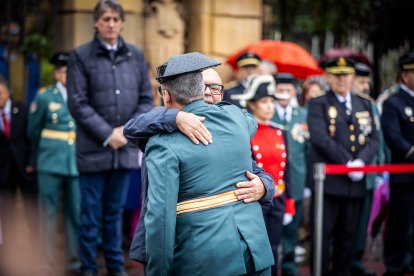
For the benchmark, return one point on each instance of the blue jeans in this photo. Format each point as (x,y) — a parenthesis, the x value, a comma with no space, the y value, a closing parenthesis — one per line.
(103,196)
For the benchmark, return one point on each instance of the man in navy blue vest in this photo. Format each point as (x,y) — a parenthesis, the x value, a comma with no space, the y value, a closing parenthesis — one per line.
(108,83)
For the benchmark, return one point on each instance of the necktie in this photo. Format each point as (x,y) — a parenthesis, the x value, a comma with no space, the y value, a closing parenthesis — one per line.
(284,119)
(6,125)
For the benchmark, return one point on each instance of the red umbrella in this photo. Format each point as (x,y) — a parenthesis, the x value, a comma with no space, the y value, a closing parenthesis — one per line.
(288,57)
(344,52)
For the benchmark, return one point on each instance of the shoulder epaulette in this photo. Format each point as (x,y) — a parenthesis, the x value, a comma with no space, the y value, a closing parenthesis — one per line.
(365,96)
(276,125)
(318,94)
(392,91)
(42,90)
(230,85)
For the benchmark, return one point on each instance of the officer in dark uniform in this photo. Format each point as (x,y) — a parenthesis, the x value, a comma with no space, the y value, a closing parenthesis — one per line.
(342,131)
(247,64)
(398,125)
(52,131)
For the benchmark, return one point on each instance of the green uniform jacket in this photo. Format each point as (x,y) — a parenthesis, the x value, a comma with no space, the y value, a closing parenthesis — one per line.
(213,241)
(56,151)
(380,156)
(298,146)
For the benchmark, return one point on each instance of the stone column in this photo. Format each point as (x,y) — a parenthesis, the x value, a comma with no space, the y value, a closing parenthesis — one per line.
(218,28)
(77,23)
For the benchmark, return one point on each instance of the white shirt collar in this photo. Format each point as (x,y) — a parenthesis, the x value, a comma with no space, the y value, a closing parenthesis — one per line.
(6,109)
(346,99)
(62,90)
(281,111)
(408,90)
(109,46)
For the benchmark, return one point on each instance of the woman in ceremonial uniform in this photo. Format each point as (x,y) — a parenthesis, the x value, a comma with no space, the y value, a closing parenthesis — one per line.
(269,150)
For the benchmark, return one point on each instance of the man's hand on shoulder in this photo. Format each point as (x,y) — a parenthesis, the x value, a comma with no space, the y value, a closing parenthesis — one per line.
(192,126)
(117,139)
(252,190)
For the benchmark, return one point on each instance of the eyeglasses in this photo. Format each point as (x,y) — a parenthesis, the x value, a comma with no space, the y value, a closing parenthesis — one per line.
(160,89)
(215,89)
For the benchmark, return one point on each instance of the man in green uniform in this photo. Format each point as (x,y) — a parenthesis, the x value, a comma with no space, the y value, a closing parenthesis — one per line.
(52,131)
(293,118)
(195,225)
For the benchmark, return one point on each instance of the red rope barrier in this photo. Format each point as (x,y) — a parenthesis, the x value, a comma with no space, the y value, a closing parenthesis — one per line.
(391,168)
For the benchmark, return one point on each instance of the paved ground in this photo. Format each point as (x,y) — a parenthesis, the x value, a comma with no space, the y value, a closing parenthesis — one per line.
(23,257)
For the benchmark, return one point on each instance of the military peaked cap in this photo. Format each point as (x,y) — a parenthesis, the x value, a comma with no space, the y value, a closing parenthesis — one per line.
(362,70)
(406,61)
(339,65)
(59,59)
(248,59)
(285,78)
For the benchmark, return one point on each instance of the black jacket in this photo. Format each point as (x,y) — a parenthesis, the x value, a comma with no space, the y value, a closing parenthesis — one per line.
(398,127)
(104,92)
(15,152)
(337,138)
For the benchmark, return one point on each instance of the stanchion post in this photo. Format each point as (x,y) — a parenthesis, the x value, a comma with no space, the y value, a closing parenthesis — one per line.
(319,177)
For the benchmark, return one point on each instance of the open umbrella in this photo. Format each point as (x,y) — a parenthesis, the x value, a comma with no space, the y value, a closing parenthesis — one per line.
(288,57)
(344,52)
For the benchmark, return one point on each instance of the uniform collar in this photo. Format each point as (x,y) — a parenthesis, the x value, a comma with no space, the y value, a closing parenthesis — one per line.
(346,99)
(62,90)
(408,90)
(193,105)
(281,111)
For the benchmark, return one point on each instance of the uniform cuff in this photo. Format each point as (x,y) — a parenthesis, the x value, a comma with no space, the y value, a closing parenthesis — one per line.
(290,206)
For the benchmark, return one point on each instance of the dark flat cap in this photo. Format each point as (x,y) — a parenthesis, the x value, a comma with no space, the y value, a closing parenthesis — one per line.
(248,59)
(59,59)
(285,78)
(340,65)
(362,70)
(406,61)
(184,64)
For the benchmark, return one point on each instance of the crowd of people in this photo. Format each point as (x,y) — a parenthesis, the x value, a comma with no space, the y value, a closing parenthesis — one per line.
(225,172)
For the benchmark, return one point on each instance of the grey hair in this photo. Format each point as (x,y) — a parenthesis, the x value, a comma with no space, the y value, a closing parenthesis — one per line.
(103,5)
(186,88)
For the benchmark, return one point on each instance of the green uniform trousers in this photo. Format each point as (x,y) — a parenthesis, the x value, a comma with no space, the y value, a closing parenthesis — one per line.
(290,241)
(50,190)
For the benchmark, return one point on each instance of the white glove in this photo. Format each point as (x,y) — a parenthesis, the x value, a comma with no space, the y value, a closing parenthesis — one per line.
(307,193)
(287,218)
(355,176)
